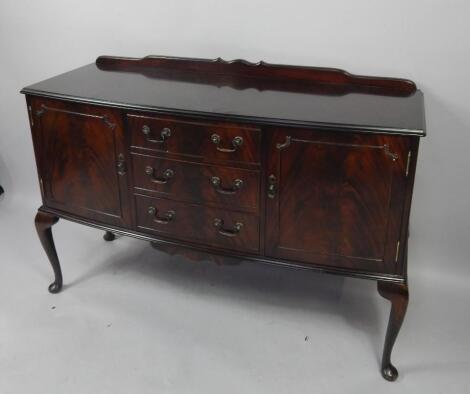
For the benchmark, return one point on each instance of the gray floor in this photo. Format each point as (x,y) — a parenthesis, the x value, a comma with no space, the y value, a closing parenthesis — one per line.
(131,319)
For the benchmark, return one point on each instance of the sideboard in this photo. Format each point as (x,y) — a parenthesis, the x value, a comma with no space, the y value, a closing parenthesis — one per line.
(300,167)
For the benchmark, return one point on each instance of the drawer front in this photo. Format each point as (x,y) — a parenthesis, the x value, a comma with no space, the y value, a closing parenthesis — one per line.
(198,224)
(199,183)
(212,141)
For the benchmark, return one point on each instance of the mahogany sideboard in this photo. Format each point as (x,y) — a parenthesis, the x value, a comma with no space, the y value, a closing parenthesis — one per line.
(301,167)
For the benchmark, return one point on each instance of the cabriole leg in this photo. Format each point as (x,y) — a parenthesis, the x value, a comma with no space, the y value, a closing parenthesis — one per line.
(109,236)
(397,294)
(44,222)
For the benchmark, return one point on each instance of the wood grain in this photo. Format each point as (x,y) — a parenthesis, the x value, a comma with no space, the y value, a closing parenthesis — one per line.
(194,182)
(195,223)
(262,75)
(337,206)
(77,148)
(193,139)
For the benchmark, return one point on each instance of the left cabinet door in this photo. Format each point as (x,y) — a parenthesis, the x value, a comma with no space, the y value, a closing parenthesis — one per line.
(82,159)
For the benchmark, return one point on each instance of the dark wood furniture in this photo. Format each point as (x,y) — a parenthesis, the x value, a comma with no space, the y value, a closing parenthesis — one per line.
(299,167)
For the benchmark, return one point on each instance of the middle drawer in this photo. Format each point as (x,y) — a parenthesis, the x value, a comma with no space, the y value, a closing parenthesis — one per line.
(195,182)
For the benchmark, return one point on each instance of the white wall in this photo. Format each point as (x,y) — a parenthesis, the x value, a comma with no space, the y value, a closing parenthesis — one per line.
(426,41)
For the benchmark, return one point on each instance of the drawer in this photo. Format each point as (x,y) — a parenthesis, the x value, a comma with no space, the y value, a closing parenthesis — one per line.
(198,183)
(198,224)
(211,141)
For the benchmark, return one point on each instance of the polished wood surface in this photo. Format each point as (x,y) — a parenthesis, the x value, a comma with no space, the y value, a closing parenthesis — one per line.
(343,205)
(286,167)
(78,149)
(180,247)
(196,223)
(44,222)
(259,75)
(397,294)
(227,99)
(192,139)
(228,187)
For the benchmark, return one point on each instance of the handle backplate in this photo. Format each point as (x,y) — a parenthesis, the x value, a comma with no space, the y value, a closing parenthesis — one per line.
(219,224)
(167,175)
(165,133)
(217,183)
(236,143)
(164,219)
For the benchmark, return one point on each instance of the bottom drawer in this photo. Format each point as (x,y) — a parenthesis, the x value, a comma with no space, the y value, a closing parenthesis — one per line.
(195,223)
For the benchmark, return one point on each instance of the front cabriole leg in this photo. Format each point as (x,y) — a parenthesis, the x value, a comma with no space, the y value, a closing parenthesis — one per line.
(44,222)
(397,294)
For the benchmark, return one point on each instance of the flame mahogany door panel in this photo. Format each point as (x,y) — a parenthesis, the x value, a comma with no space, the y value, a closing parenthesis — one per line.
(336,199)
(81,159)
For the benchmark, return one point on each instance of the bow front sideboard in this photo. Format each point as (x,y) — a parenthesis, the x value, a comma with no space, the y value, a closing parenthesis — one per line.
(300,167)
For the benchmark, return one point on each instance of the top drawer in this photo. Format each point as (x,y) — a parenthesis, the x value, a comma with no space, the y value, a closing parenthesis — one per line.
(212,141)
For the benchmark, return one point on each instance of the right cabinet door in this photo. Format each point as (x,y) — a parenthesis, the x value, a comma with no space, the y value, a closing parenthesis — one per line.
(336,199)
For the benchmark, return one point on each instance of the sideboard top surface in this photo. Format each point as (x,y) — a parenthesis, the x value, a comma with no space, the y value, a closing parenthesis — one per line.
(243,91)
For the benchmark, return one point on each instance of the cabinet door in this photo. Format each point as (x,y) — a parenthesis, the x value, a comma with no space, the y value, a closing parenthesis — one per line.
(80,152)
(336,199)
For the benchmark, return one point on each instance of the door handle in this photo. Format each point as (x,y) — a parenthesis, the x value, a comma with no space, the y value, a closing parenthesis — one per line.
(272,186)
(121,165)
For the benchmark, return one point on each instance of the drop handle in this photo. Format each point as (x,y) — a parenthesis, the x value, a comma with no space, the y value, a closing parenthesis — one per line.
(167,175)
(236,143)
(165,133)
(219,224)
(217,183)
(164,219)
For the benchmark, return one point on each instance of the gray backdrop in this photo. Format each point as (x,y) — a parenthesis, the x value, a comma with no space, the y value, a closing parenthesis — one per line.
(426,41)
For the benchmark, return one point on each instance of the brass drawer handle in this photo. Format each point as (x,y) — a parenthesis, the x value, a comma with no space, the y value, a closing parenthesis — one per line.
(164,134)
(236,143)
(217,183)
(165,219)
(167,175)
(218,223)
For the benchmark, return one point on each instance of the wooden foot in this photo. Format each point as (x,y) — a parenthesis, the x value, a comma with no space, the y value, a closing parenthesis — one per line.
(397,294)
(44,222)
(109,236)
